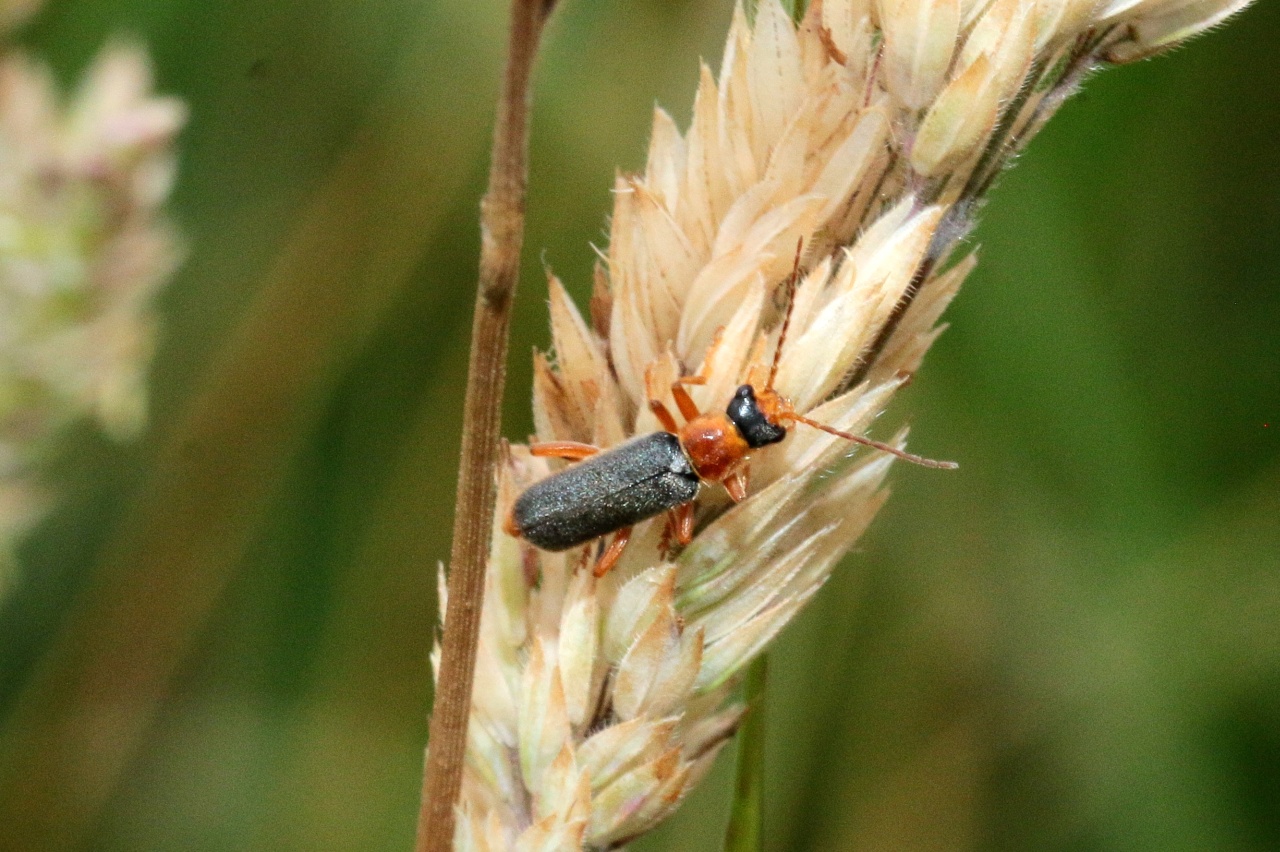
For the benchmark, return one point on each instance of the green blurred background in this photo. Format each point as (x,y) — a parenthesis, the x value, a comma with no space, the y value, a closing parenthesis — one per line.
(1073,643)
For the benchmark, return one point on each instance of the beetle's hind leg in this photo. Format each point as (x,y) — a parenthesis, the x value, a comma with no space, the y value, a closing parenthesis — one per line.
(678,528)
(668,533)
(682,520)
(611,554)
(567,450)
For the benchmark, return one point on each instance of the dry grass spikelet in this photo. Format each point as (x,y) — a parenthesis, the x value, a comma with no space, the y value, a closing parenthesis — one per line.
(868,132)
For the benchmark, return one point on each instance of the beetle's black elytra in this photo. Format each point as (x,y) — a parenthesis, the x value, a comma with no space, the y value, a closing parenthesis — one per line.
(630,483)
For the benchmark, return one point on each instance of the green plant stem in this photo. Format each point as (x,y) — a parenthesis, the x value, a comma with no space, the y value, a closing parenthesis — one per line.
(502,235)
(746,820)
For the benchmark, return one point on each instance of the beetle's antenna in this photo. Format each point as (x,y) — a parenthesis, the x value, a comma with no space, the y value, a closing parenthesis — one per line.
(792,280)
(858,439)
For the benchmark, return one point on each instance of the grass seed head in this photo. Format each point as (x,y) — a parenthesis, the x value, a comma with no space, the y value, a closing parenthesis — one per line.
(868,132)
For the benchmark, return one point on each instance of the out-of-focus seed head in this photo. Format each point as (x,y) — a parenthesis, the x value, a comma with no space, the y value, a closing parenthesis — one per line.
(84,246)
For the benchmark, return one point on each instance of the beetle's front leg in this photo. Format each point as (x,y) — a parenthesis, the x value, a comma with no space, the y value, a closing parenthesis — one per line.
(700,377)
(660,411)
(688,408)
(736,484)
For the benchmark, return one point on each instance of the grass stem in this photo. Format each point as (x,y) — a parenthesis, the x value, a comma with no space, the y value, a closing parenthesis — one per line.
(502,235)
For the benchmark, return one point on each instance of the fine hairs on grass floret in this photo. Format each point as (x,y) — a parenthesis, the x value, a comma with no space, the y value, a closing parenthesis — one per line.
(868,133)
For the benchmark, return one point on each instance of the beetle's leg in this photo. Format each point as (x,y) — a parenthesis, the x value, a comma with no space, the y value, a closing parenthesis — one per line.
(700,378)
(612,552)
(683,517)
(568,450)
(664,416)
(688,408)
(678,528)
(668,535)
(736,484)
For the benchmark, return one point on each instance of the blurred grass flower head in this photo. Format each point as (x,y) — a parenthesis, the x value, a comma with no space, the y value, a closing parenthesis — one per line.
(868,132)
(83,249)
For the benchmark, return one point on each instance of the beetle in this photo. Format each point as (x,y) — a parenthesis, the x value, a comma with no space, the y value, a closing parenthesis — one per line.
(609,491)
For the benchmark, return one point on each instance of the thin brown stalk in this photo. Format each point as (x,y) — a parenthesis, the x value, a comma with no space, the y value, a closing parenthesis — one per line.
(502,235)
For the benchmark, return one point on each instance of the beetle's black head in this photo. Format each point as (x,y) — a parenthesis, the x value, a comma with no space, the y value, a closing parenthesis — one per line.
(745,413)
